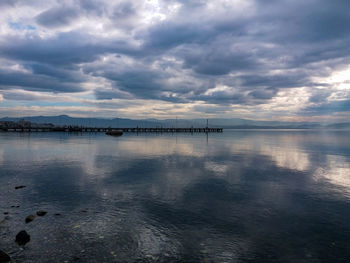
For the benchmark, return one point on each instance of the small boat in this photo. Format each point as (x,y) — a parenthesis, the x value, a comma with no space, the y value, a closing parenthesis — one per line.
(58,129)
(75,129)
(115,133)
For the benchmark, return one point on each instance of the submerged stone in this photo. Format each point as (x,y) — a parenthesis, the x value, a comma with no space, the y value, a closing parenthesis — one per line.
(4,257)
(30,218)
(41,213)
(22,238)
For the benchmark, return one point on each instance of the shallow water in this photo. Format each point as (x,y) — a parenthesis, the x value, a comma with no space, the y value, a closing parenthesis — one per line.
(239,196)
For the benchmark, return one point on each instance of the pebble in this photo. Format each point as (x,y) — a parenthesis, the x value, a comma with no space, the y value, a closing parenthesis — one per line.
(22,238)
(4,257)
(41,213)
(29,218)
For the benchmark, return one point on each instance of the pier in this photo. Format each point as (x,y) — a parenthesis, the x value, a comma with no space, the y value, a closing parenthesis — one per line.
(94,129)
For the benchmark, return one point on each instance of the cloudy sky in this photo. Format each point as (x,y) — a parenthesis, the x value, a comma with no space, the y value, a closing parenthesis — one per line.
(257,59)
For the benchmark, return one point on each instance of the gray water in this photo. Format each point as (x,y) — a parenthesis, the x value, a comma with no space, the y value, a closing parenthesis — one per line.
(239,196)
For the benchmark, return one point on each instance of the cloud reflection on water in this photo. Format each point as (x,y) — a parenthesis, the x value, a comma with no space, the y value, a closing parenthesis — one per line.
(336,171)
(224,199)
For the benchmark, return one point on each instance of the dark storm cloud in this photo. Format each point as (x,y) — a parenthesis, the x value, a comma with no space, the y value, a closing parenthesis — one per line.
(96,7)
(328,108)
(258,51)
(304,21)
(218,59)
(61,50)
(320,96)
(36,82)
(265,94)
(224,98)
(295,79)
(135,79)
(142,84)
(7,2)
(58,16)
(168,35)
(124,10)
(71,74)
(180,31)
(138,81)
(102,94)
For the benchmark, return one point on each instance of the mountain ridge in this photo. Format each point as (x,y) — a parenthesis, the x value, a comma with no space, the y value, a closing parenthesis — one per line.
(226,123)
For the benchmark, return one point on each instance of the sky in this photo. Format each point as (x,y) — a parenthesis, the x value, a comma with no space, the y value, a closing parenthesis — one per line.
(256,59)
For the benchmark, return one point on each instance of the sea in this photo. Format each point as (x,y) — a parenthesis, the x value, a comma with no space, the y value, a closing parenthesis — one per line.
(237,196)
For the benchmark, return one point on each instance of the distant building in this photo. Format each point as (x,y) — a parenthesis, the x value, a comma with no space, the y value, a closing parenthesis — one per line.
(24,124)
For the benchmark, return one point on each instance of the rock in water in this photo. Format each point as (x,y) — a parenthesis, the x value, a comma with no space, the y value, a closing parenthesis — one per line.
(4,257)
(30,218)
(41,213)
(22,238)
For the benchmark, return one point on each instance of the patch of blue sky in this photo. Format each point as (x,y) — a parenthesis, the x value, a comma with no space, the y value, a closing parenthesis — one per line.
(19,26)
(87,96)
(6,103)
(30,27)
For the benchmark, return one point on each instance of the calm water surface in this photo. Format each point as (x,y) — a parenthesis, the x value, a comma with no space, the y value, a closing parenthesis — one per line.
(240,196)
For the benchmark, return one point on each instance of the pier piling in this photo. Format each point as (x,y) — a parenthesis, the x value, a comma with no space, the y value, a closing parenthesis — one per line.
(99,129)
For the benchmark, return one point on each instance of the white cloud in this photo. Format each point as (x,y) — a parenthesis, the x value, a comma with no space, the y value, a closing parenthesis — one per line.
(231,58)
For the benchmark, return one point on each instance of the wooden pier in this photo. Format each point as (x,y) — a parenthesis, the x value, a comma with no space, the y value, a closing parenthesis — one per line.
(94,129)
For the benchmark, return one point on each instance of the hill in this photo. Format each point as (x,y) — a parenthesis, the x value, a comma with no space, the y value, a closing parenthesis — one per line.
(228,123)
